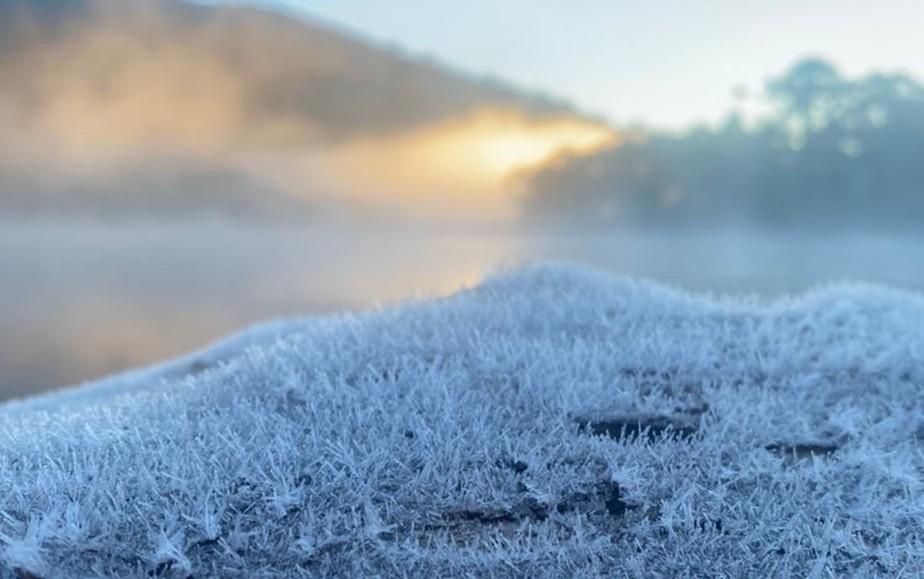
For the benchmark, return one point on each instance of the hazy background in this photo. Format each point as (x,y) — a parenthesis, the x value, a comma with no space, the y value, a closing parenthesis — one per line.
(172,171)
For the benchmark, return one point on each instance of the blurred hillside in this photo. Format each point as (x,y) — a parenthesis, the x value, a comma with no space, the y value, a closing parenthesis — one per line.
(167,106)
(832,152)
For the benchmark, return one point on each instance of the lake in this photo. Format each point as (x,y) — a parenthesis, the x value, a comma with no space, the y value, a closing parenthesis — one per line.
(84,298)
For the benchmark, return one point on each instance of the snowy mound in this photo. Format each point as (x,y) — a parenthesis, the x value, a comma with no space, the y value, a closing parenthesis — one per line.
(552,422)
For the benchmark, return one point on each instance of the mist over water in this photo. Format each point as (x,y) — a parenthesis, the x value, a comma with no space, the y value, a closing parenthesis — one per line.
(84,298)
(171,172)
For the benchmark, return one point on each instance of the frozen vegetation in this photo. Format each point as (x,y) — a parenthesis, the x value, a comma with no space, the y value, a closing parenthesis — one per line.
(550,422)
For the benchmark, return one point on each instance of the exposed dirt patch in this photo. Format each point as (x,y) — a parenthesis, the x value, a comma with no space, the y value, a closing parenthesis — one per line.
(651,428)
(793,452)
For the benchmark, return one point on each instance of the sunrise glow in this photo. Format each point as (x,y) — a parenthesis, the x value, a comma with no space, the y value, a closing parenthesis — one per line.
(463,166)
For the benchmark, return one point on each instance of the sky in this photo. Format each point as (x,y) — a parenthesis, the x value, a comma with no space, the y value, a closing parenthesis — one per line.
(667,64)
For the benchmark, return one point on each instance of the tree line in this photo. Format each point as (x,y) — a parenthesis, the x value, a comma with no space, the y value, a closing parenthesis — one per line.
(832,151)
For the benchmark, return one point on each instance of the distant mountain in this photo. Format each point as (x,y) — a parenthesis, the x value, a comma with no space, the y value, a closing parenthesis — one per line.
(102,98)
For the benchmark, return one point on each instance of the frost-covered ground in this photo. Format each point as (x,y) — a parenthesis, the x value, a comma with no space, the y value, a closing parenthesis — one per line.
(550,422)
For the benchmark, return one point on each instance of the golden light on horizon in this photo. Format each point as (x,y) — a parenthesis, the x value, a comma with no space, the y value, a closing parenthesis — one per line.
(507,143)
(462,167)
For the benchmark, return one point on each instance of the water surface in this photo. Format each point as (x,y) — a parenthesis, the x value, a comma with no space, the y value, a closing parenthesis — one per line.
(81,299)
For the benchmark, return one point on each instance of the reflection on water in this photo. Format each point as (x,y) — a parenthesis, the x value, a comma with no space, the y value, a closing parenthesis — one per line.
(79,300)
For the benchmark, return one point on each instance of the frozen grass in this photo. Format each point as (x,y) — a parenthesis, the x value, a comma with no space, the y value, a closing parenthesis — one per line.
(551,422)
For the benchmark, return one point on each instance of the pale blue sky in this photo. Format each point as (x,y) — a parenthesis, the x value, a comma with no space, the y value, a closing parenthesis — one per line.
(664,63)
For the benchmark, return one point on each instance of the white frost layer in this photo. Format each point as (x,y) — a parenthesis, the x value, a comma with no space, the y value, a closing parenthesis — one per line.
(474,435)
